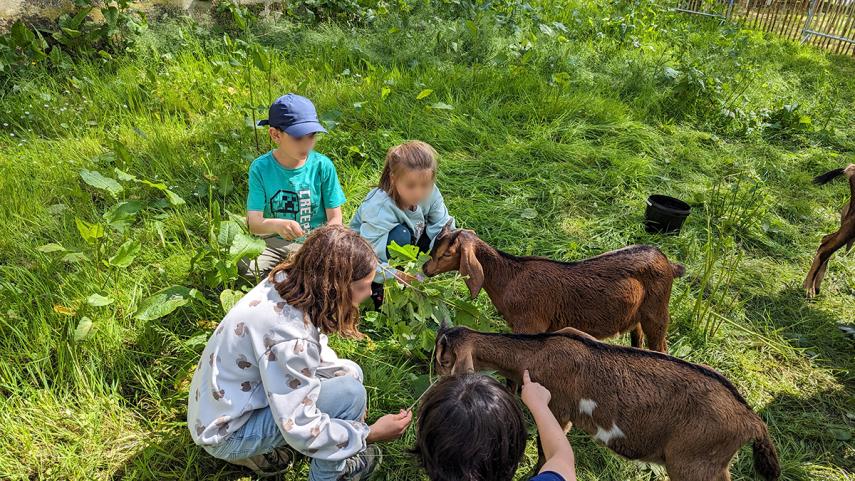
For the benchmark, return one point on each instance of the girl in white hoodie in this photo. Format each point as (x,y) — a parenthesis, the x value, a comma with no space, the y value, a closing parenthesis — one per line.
(267,381)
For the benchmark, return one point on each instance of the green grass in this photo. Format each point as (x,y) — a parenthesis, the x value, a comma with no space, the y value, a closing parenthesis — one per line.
(552,146)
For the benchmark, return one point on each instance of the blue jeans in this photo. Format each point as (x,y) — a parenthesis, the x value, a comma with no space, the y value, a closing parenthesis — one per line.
(340,397)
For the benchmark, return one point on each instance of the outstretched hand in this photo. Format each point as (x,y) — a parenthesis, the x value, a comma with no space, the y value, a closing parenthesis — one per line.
(390,427)
(534,394)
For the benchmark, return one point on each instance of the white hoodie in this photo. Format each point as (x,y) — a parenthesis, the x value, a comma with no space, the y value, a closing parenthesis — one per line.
(267,353)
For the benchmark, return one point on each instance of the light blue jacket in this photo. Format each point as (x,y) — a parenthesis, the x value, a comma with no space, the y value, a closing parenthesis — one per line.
(378,214)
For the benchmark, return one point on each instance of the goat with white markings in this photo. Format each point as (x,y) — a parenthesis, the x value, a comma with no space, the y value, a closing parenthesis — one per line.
(641,404)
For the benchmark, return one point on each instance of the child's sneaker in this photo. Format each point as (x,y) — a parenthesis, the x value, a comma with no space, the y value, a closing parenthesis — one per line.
(361,466)
(269,464)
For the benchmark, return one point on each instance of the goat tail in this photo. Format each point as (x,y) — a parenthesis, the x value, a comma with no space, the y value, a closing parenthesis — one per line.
(678,269)
(766,457)
(828,176)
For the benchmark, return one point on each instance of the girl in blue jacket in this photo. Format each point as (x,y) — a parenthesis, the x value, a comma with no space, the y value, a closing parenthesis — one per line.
(406,207)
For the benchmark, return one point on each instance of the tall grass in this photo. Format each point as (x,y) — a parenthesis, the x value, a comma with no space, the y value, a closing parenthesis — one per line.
(553,140)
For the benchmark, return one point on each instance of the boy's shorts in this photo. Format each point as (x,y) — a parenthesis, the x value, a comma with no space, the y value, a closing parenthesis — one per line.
(278,249)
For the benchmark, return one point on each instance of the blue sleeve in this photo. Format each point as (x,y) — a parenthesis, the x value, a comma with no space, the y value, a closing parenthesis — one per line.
(373,221)
(255,197)
(331,193)
(437,215)
(548,476)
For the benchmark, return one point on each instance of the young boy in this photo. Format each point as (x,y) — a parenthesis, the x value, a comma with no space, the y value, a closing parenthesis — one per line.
(471,428)
(292,189)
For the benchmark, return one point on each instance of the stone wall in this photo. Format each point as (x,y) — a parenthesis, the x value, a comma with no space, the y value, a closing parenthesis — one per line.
(11,10)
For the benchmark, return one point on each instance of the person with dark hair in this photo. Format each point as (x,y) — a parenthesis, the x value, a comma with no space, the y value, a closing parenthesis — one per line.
(471,428)
(267,383)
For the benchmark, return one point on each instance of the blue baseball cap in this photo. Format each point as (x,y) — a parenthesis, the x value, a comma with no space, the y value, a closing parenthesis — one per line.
(294,115)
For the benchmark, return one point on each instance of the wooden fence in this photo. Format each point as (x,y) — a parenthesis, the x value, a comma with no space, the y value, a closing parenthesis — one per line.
(828,24)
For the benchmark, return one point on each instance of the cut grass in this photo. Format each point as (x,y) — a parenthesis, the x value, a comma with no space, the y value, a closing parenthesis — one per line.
(535,166)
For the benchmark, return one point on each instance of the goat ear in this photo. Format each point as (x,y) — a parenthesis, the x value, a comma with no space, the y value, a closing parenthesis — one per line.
(470,267)
(446,229)
(444,325)
(439,349)
(463,363)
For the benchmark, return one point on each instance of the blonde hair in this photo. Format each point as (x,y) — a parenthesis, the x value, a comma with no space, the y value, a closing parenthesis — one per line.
(317,278)
(410,156)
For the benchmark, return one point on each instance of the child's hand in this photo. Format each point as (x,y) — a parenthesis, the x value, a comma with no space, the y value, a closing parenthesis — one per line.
(289,229)
(407,278)
(390,427)
(533,394)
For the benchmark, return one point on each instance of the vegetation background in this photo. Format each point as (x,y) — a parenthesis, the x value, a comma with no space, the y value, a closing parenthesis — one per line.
(124,147)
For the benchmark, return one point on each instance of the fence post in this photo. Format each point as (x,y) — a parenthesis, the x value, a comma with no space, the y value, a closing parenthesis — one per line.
(811,11)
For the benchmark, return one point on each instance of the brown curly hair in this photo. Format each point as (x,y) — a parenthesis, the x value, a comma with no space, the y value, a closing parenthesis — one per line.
(317,278)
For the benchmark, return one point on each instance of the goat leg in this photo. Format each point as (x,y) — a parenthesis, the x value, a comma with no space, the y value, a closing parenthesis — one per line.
(636,335)
(829,245)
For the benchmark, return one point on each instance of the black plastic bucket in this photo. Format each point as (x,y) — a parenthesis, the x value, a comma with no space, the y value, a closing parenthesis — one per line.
(665,214)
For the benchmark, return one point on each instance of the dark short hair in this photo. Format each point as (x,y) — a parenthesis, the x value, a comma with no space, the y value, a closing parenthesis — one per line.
(470,428)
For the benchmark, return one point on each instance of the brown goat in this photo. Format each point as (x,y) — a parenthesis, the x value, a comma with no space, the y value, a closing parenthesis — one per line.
(641,404)
(834,241)
(619,291)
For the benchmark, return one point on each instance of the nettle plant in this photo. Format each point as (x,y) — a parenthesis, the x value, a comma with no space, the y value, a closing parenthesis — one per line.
(413,310)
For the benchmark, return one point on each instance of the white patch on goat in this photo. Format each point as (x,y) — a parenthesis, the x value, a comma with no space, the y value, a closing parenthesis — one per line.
(606,436)
(587,406)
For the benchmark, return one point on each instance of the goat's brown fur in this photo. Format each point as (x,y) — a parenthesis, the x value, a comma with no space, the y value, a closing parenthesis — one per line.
(684,416)
(844,236)
(626,290)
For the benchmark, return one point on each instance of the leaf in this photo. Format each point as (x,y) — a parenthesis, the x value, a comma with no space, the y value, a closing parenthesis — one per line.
(57,209)
(164,302)
(671,73)
(441,106)
(97,300)
(65,311)
(384,92)
(75,257)
(228,299)
(124,176)
(52,247)
(528,213)
(197,340)
(125,254)
(89,232)
(20,34)
(121,215)
(84,327)
(100,182)
(260,58)
(244,245)
(174,198)
(228,230)
(424,93)
(546,29)
(408,252)
(841,434)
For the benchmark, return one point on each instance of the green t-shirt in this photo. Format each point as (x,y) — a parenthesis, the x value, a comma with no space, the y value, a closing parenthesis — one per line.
(299,194)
